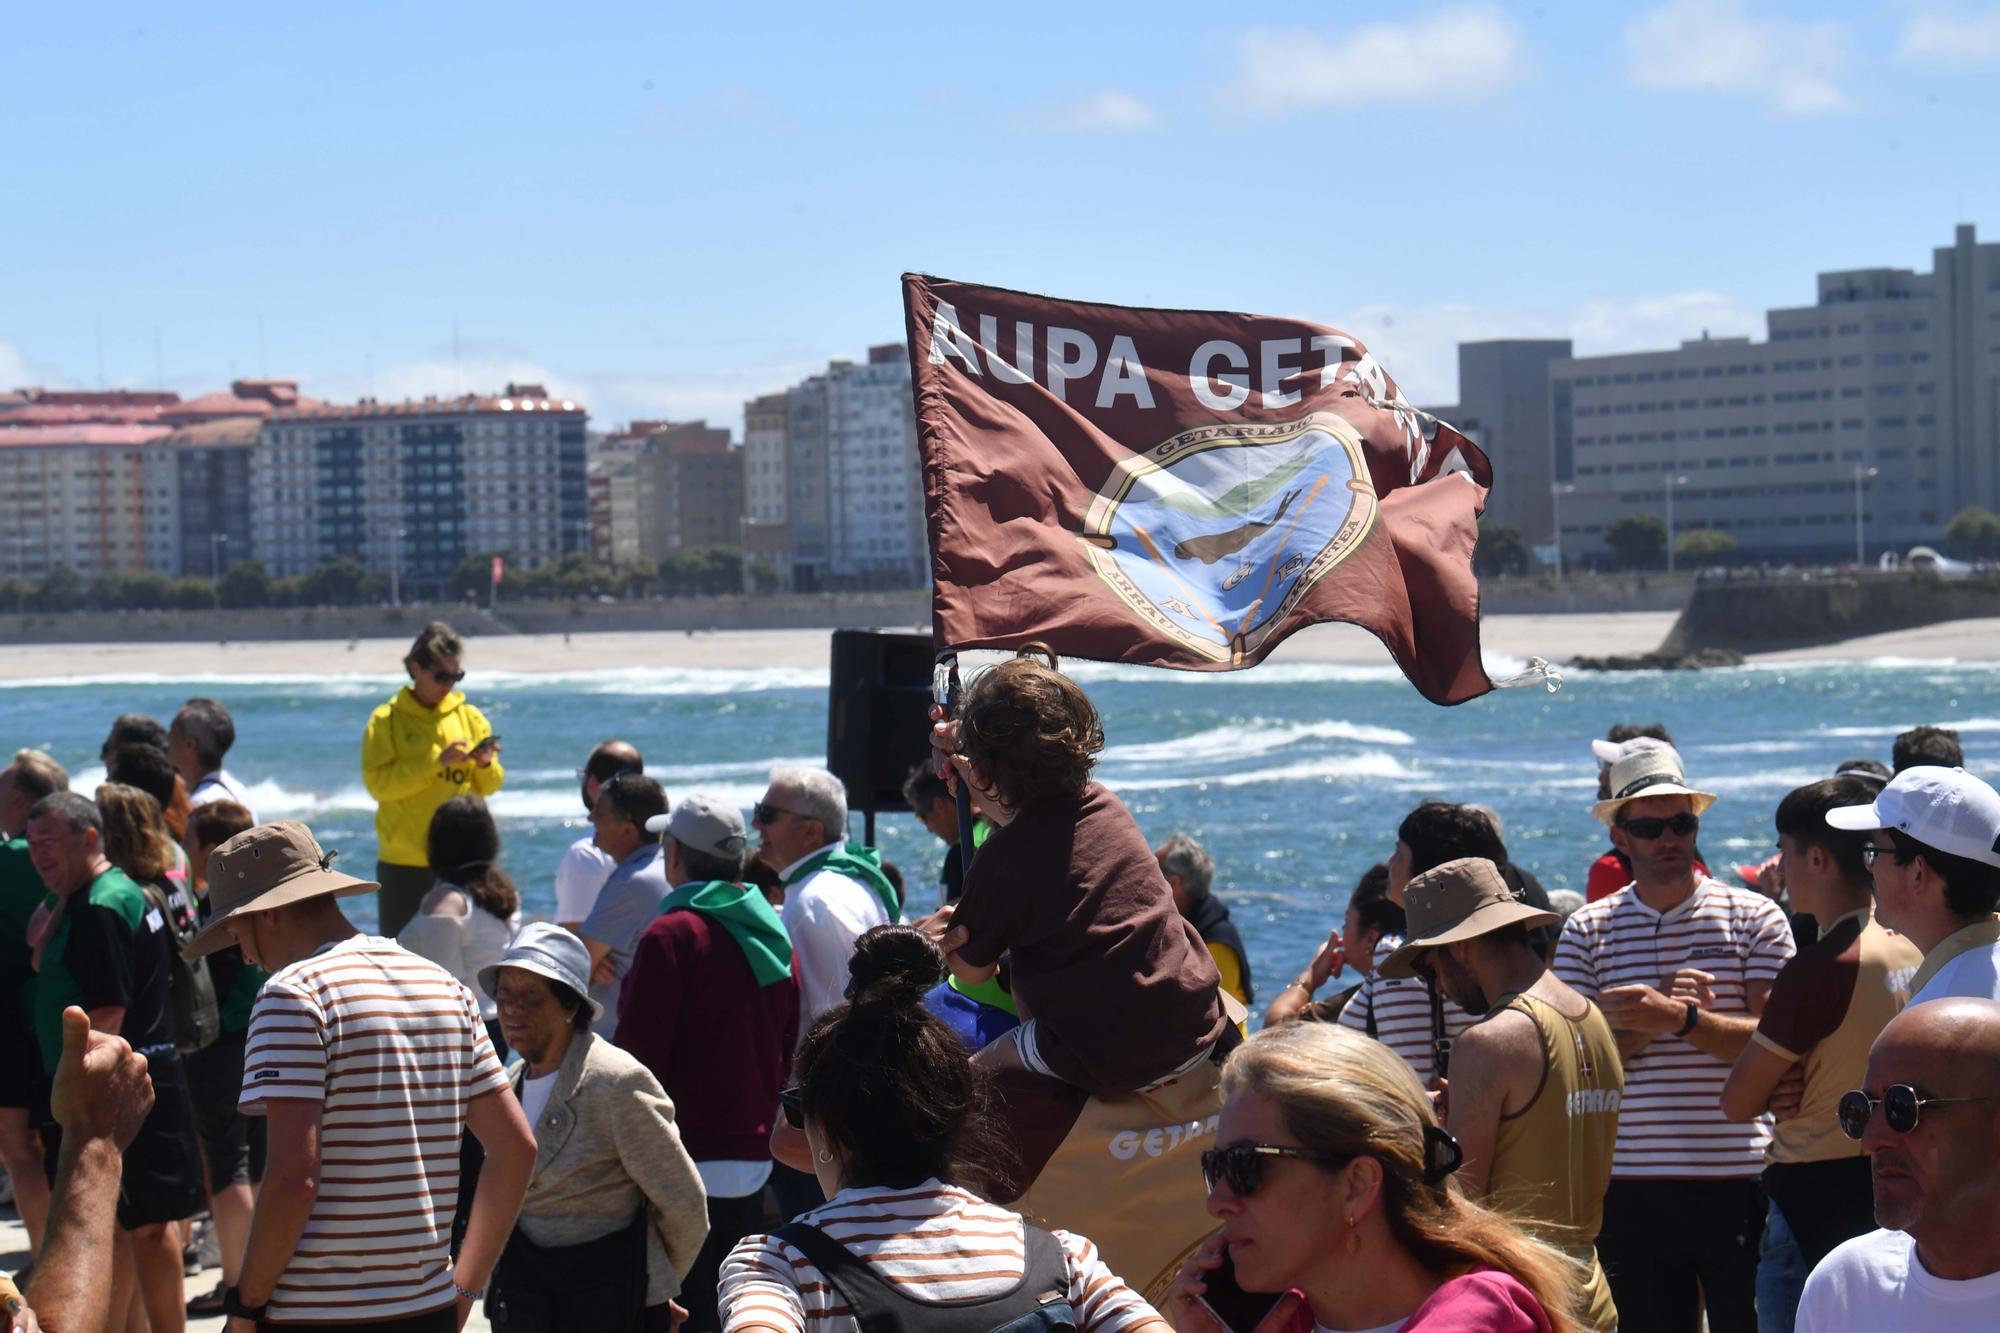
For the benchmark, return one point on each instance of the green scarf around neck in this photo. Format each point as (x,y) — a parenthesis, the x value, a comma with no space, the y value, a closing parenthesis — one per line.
(748,917)
(857,862)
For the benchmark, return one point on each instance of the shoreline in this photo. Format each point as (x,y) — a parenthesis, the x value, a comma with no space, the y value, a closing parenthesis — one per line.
(1556,637)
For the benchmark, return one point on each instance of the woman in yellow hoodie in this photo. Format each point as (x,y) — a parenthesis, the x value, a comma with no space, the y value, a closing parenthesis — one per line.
(422,748)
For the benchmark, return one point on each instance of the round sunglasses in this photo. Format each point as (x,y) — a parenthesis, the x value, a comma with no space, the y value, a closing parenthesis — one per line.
(1900,1105)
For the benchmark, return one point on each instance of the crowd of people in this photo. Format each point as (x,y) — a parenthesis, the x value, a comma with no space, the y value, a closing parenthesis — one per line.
(745,1083)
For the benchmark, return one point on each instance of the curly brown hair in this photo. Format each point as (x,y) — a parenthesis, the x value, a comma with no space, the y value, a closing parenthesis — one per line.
(1030,730)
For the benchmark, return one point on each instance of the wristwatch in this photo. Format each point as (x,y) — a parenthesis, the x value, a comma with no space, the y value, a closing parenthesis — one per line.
(234,1308)
(1687,1023)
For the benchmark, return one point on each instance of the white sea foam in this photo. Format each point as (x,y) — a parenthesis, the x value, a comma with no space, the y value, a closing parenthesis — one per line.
(1970,724)
(1243,740)
(1359,767)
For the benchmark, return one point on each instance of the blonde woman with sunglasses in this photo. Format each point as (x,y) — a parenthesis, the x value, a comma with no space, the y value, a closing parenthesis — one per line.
(1332,1180)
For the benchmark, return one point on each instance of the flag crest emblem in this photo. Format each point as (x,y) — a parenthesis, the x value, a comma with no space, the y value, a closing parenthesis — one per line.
(1215,534)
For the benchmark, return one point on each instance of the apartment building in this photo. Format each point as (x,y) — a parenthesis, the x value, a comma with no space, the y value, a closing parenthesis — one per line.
(418,486)
(767,533)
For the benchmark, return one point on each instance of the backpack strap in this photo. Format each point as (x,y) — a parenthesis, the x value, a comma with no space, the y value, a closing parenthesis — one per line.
(878,1307)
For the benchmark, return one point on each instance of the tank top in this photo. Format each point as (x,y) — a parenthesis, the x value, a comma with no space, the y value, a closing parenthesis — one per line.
(1552,1158)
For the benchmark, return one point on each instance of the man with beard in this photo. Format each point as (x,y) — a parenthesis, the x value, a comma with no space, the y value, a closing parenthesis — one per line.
(1535,1081)
(1929,1120)
(1681,965)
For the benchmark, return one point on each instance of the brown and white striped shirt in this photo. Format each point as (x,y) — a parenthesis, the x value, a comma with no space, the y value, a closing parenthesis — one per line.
(1401,1008)
(1670,1124)
(393,1048)
(935,1242)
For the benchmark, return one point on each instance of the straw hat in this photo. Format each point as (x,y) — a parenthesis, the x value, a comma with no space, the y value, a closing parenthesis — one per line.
(1650,772)
(265,867)
(1459,900)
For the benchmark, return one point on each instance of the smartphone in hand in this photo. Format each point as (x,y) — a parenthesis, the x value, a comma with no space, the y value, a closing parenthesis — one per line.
(1235,1309)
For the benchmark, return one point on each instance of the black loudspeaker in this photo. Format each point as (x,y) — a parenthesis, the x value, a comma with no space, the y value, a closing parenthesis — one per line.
(878,714)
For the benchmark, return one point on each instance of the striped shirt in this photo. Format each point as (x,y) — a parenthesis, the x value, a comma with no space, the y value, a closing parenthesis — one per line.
(1402,1010)
(1670,1124)
(935,1242)
(393,1049)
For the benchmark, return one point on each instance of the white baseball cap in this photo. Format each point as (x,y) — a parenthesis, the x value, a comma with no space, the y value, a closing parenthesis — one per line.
(1946,809)
(1610,752)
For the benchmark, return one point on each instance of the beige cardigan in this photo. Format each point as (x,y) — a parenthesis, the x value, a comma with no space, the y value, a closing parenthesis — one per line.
(605,1146)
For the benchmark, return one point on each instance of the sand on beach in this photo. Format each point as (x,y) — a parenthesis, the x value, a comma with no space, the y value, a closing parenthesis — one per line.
(1554,637)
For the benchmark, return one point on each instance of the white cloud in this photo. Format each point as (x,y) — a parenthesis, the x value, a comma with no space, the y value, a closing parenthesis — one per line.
(17,371)
(1461,54)
(1952,40)
(1111,111)
(1716,46)
(1418,345)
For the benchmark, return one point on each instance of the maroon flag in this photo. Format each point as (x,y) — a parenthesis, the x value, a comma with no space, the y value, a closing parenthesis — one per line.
(1184,488)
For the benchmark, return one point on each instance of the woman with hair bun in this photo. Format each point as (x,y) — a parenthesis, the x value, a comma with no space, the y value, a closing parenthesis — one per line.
(1333,1182)
(893,1115)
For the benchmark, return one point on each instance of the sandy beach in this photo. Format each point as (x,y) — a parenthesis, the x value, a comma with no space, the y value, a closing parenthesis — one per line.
(1555,637)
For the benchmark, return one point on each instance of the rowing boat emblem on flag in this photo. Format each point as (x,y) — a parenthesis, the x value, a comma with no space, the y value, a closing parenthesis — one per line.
(1184,488)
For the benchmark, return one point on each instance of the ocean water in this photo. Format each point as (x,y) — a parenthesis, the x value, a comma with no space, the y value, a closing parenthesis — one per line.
(1293,775)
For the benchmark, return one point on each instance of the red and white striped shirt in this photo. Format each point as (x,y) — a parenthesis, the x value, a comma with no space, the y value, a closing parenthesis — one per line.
(1670,1124)
(393,1048)
(935,1242)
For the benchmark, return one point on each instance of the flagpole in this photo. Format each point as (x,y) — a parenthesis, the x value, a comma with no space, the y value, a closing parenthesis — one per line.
(945,692)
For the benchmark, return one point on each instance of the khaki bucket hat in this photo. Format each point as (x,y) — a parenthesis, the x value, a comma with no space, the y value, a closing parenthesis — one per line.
(1459,900)
(265,867)
(1650,772)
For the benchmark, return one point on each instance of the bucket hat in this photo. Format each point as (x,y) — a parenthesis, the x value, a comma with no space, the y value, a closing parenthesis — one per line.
(264,867)
(548,951)
(1459,900)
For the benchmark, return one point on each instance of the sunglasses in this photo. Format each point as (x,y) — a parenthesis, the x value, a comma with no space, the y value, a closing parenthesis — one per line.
(1681,825)
(444,677)
(793,1103)
(1900,1104)
(764,812)
(1871,852)
(1241,1165)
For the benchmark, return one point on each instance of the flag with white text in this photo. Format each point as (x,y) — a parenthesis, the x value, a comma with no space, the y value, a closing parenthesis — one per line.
(1184,488)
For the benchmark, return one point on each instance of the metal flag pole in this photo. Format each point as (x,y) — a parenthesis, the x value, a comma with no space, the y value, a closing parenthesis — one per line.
(945,689)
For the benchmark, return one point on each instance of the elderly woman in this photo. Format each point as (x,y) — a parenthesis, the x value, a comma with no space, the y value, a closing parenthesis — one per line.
(1333,1183)
(615,1209)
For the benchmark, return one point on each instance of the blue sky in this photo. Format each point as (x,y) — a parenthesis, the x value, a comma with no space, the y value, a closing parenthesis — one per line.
(661,210)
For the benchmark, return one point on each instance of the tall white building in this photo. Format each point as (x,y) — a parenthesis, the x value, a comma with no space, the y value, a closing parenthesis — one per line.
(851,480)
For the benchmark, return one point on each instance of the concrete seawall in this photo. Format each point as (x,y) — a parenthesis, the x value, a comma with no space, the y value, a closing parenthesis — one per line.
(1770,616)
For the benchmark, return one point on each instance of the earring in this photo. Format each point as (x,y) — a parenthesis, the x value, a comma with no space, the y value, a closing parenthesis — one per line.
(1353,1236)
(825,1156)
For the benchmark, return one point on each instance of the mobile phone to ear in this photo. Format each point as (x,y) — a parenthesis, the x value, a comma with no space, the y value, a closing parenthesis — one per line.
(1235,1309)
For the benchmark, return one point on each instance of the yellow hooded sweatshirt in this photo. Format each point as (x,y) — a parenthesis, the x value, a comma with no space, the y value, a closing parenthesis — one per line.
(399,764)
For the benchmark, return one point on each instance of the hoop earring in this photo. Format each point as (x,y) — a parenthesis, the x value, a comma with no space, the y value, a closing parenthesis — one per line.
(825,1156)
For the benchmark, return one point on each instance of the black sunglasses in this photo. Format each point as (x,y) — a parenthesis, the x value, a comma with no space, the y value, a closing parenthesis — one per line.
(764,812)
(1241,1165)
(793,1103)
(444,677)
(1900,1104)
(1681,825)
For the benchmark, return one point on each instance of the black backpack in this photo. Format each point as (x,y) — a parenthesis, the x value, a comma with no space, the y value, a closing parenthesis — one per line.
(197,1014)
(1038,1303)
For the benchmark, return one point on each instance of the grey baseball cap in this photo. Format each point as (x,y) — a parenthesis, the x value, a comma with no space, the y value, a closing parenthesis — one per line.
(704,824)
(547,951)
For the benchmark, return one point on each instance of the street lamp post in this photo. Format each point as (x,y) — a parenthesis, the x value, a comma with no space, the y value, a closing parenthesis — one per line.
(216,541)
(1673,483)
(1861,476)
